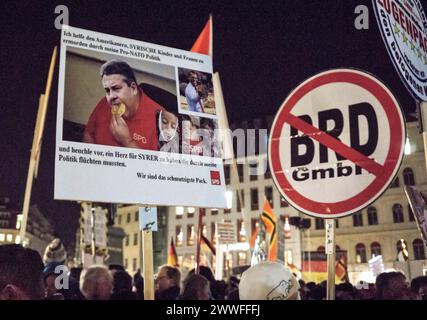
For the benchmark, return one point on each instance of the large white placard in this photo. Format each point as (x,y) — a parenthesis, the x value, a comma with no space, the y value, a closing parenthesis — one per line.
(164,148)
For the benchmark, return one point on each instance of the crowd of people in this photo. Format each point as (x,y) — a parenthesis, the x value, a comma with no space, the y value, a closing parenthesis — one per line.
(25,275)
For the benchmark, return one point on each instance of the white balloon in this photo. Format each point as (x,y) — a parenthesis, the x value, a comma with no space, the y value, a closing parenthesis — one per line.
(268,281)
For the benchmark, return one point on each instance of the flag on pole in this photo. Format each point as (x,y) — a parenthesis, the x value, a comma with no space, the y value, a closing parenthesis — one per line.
(172,257)
(341,268)
(270,221)
(315,266)
(203,43)
(209,245)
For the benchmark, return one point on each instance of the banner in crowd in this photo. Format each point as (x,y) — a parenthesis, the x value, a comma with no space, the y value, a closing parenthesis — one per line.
(315,267)
(136,123)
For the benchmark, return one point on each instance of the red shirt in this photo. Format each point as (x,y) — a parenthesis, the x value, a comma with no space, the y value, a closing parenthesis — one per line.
(142,125)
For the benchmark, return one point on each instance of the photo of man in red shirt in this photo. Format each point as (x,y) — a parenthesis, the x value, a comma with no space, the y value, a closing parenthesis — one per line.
(136,127)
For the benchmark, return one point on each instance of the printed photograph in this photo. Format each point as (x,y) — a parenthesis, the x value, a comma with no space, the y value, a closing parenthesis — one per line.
(196,93)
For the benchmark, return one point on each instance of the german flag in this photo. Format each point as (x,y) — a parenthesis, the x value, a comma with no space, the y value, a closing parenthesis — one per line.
(315,266)
(209,245)
(341,268)
(172,256)
(270,222)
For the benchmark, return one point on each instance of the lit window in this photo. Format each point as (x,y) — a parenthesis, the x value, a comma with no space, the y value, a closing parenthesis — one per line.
(229,260)
(18,222)
(9,237)
(241,230)
(179,211)
(242,258)
(360,253)
(179,236)
(18,239)
(407,147)
(191,235)
(2,237)
(287,228)
(190,212)
(213,235)
(375,249)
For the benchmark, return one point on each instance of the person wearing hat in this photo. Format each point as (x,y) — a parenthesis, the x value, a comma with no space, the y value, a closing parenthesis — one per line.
(126,116)
(272,280)
(54,256)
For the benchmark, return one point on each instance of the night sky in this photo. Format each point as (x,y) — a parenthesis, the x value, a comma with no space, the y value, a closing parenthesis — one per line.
(262,51)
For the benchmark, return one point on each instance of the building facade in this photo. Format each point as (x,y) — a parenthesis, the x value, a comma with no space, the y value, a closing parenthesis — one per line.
(39,229)
(127,218)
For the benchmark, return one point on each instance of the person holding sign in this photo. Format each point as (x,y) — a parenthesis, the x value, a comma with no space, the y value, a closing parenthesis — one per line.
(126,116)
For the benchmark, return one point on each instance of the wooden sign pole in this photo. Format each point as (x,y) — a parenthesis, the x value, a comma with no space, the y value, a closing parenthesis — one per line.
(35,150)
(147,253)
(330,253)
(199,240)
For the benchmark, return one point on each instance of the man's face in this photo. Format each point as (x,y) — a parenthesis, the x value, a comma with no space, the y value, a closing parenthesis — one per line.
(117,90)
(194,79)
(163,281)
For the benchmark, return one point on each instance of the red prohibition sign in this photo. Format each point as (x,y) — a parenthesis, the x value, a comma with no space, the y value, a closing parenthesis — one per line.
(383,172)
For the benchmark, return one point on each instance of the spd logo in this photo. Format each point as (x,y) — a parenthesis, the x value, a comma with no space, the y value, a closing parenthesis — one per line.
(215,178)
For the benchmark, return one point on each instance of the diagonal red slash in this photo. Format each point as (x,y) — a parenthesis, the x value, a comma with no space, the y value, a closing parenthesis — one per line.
(327,140)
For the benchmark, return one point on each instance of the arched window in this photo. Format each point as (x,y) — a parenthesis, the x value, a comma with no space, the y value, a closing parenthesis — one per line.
(397,213)
(357,219)
(372,216)
(321,249)
(402,250)
(418,246)
(360,253)
(375,249)
(408,177)
(411,213)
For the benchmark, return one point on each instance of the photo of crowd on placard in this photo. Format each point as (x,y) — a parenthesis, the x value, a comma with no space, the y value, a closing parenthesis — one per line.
(196,92)
(133,107)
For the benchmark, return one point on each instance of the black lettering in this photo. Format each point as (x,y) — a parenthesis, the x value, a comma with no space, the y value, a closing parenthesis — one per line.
(300,174)
(366,110)
(297,159)
(344,171)
(324,117)
(322,173)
